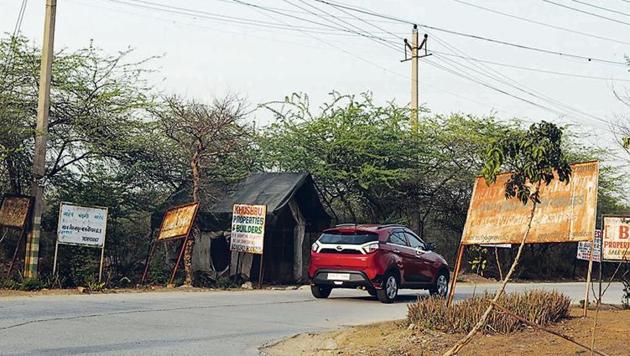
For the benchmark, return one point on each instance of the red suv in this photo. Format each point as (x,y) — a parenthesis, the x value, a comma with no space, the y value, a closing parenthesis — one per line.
(378,258)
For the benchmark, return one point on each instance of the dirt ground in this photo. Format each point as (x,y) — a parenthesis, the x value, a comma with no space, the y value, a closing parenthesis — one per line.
(393,338)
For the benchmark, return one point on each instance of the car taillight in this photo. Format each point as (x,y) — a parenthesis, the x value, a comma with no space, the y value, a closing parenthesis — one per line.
(370,247)
(314,247)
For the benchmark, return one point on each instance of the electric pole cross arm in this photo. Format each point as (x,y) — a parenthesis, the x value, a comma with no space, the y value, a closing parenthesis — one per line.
(413,48)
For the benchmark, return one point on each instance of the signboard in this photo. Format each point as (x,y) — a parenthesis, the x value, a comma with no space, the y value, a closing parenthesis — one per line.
(14,211)
(566,212)
(584,248)
(79,225)
(248,228)
(178,221)
(616,239)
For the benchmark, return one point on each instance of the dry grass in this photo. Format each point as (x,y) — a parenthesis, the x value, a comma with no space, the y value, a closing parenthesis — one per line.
(539,306)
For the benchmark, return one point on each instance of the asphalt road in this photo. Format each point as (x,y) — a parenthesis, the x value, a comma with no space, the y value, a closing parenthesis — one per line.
(199,323)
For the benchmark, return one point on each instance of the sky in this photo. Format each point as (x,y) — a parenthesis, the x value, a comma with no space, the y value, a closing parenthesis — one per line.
(212,48)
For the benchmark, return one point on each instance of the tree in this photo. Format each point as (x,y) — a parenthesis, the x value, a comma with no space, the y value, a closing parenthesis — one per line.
(534,158)
(214,142)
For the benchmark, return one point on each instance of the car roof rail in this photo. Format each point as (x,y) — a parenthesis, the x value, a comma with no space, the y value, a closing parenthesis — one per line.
(346,224)
(389,225)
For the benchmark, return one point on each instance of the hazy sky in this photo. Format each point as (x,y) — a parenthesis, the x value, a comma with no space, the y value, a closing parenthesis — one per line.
(205,57)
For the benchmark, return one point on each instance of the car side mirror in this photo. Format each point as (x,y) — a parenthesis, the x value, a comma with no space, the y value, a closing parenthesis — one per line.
(430,246)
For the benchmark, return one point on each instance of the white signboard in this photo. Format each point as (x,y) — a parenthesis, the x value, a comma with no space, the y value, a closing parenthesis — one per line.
(248,228)
(616,241)
(584,248)
(80,225)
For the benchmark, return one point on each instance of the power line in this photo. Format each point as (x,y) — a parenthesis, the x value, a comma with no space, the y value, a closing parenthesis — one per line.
(586,12)
(532,69)
(602,8)
(586,34)
(477,37)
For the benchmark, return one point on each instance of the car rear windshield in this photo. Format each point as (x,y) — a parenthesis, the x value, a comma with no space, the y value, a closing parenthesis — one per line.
(347,238)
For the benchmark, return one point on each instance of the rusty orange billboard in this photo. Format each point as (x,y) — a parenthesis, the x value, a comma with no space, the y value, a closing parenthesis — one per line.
(14,211)
(566,212)
(178,221)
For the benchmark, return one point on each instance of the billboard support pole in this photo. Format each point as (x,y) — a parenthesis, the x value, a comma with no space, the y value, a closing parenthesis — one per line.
(260,272)
(15,253)
(100,268)
(588,278)
(179,259)
(458,264)
(55,258)
(146,264)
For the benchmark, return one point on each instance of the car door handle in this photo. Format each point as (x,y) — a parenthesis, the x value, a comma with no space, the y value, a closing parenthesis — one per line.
(396,251)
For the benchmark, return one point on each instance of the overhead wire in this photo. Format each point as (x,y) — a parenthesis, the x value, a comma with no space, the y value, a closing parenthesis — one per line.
(586,12)
(602,8)
(478,37)
(545,24)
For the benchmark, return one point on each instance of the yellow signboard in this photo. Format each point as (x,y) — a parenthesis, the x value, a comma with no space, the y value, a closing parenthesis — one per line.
(14,211)
(178,221)
(616,241)
(566,212)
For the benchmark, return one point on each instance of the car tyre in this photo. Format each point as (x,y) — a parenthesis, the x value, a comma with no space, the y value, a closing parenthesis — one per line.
(389,289)
(440,286)
(320,292)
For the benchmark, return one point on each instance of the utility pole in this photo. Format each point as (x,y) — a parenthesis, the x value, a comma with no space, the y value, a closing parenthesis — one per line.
(41,133)
(414,47)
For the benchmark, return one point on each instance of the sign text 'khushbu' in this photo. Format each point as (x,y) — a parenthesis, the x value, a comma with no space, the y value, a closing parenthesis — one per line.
(248,228)
(566,212)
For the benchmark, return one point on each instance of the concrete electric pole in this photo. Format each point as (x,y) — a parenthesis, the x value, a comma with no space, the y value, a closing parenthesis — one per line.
(41,133)
(414,47)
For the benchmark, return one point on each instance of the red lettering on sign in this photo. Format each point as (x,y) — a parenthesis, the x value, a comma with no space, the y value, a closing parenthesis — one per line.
(624,231)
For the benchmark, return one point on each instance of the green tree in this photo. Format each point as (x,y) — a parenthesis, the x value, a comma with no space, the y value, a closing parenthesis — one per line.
(534,158)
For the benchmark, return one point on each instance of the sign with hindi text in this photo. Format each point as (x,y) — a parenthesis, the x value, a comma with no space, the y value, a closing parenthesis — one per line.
(566,212)
(80,225)
(248,228)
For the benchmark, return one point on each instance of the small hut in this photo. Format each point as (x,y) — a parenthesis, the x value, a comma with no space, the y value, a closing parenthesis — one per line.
(295,217)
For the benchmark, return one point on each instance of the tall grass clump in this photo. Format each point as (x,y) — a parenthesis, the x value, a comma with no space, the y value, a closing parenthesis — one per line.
(541,307)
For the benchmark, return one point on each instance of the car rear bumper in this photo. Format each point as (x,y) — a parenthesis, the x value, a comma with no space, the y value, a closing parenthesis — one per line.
(355,279)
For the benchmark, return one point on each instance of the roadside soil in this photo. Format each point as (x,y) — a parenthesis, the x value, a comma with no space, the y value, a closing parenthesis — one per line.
(395,338)
(148,289)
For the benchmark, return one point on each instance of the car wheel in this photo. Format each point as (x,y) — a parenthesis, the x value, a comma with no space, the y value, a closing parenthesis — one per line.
(440,287)
(389,289)
(320,291)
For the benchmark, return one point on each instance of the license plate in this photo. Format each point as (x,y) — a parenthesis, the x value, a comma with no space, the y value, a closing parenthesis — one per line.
(338,276)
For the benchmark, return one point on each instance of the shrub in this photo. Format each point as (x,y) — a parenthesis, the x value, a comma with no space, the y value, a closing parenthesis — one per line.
(31,284)
(541,307)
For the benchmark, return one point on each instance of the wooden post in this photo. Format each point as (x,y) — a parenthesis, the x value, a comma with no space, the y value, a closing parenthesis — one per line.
(588,278)
(15,253)
(260,272)
(458,264)
(179,259)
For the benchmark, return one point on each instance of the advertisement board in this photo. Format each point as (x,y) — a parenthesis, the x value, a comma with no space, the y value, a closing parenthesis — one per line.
(584,248)
(566,212)
(79,225)
(248,228)
(178,221)
(616,238)
(14,211)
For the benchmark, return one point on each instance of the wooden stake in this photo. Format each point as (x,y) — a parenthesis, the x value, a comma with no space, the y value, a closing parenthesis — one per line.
(260,273)
(588,278)
(15,253)
(458,264)
(532,324)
